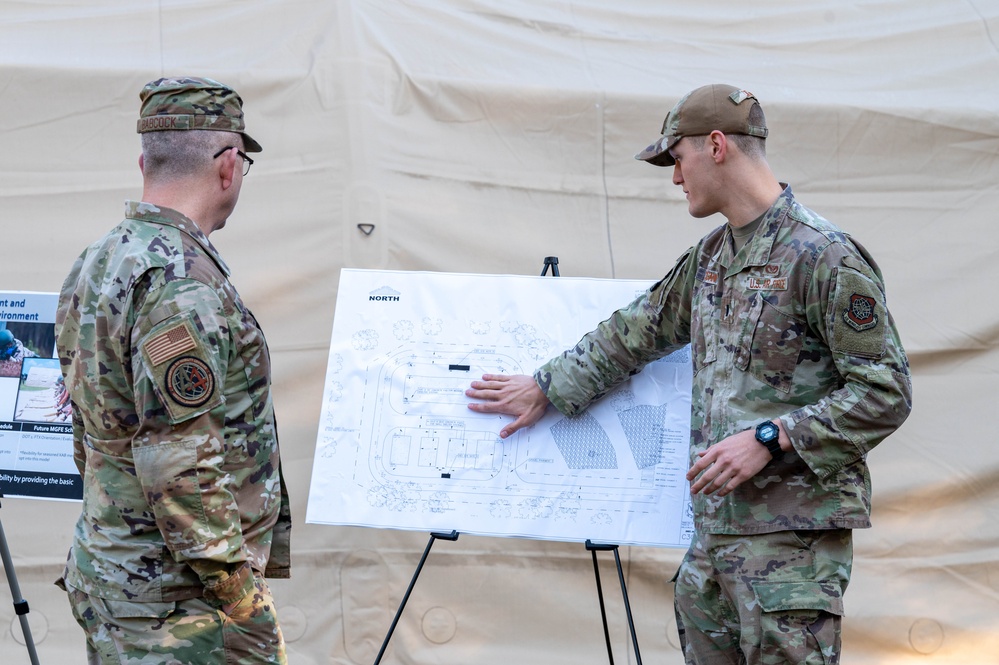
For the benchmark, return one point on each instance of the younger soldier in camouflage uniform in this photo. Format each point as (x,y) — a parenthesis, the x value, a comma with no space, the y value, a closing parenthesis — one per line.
(798,374)
(184,507)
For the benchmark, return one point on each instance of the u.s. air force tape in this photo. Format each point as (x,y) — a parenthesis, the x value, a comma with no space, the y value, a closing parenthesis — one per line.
(189,381)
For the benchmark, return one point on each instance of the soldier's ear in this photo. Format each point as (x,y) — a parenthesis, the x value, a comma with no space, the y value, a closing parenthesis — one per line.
(227,165)
(718,145)
(142,163)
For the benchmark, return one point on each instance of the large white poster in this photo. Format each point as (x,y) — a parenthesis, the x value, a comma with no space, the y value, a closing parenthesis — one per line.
(398,447)
(36,428)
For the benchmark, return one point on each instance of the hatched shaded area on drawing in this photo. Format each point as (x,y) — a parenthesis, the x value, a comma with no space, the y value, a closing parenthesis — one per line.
(583,443)
(643,428)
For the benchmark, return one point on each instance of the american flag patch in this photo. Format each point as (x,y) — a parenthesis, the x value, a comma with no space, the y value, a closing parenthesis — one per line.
(169,344)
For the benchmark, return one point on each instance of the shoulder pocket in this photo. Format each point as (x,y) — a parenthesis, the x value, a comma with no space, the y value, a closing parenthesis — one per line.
(858,316)
(182,368)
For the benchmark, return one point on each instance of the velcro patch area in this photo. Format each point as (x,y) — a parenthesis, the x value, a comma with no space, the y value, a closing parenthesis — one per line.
(858,317)
(182,368)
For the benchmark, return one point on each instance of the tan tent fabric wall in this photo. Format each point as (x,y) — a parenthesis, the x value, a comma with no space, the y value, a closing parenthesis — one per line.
(482,136)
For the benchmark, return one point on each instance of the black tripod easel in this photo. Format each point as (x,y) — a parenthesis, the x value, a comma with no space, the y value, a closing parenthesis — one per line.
(551,262)
(434,535)
(593,548)
(20,604)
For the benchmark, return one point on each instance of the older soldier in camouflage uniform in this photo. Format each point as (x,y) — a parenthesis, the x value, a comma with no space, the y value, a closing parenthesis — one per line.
(184,507)
(798,374)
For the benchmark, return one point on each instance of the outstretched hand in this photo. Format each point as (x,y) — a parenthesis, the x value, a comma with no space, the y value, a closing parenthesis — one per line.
(513,395)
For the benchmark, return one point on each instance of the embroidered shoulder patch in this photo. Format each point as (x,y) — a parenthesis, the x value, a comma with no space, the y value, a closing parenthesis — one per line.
(860,314)
(169,344)
(857,316)
(189,381)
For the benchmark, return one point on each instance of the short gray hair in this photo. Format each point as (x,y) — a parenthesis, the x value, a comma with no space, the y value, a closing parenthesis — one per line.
(171,155)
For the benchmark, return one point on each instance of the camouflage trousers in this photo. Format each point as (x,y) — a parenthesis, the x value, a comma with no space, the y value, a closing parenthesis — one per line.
(765,599)
(186,632)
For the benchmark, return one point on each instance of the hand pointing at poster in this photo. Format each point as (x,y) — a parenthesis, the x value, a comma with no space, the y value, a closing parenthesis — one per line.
(514,395)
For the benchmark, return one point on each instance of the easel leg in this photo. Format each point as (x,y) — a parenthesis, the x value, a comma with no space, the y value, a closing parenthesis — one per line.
(593,547)
(627,607)
(600,596)
(20,605)
(419,567)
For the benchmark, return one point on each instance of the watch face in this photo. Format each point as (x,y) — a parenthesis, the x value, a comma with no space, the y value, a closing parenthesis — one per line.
(767,431)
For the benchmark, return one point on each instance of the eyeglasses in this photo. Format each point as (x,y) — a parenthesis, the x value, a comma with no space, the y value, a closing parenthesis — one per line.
(247,162)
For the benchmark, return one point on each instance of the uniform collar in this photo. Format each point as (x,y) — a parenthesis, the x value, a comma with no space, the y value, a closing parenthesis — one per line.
(757,250)
(154,214)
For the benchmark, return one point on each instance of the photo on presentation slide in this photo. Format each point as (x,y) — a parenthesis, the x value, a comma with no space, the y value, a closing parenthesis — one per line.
(19,341)
(27,353)
(42,396)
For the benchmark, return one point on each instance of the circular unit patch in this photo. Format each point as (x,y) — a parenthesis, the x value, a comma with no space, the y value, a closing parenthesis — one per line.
(189,381)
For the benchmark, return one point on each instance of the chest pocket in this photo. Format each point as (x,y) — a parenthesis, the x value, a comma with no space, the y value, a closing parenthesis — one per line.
(775,345)
(725,325)
(706,310)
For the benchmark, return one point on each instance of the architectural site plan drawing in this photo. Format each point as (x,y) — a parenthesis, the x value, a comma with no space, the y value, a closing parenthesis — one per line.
(397,446)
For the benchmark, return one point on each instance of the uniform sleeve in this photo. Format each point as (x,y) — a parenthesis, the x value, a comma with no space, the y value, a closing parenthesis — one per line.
(67,320)
(79,456)
(847,303)
(279,562)
(181,348)
(652,326)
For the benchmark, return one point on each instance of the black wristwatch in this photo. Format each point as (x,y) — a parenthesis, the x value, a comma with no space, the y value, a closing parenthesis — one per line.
(767,433)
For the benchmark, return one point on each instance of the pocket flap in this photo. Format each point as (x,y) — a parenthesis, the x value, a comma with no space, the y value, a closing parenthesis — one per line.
(127,609)
(783,596)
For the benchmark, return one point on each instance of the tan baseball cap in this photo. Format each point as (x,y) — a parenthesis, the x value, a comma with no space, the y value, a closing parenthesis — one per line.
(700,112)
(188,102)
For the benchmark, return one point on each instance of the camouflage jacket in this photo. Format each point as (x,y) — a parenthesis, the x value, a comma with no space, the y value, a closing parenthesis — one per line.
(173,423)
(794,326)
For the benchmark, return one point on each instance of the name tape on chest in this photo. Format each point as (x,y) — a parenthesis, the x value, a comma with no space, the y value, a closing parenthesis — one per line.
(770,280)
(766,283)
(707,276)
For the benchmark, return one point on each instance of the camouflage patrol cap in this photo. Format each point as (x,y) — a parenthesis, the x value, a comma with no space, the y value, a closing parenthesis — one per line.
(701,112)
(192,103)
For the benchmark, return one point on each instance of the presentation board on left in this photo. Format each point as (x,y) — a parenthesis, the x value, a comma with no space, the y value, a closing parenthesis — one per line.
(36,425)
